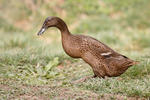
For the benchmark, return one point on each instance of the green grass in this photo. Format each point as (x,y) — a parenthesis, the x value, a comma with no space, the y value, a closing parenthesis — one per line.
(33,67)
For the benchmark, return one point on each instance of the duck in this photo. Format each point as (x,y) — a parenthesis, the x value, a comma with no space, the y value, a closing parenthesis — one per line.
(105,62)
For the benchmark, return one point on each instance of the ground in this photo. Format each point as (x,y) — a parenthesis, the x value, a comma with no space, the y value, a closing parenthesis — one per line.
(36,67)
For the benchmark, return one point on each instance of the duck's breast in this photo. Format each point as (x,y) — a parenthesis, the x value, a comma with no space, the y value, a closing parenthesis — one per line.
(71,46)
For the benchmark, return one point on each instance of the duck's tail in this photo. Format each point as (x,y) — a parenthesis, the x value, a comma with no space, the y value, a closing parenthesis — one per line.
(132,62)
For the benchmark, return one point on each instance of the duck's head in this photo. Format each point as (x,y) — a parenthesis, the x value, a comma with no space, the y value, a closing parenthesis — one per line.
(54,22)
(49,22)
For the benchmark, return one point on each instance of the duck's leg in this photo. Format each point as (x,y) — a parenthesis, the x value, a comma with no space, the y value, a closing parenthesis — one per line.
(84,79)
(94,76)
(96,64)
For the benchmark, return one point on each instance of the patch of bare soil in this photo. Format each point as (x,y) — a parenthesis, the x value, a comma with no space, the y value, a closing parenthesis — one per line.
(62,93)
(31,97)
(46,92)
(5,87)
(89,95)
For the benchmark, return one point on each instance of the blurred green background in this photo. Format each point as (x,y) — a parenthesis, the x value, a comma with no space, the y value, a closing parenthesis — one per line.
(25,58)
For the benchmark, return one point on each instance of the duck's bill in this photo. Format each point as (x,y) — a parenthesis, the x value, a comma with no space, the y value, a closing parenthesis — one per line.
(41,31)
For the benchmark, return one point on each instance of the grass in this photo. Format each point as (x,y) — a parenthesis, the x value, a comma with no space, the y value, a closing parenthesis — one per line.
(33,67)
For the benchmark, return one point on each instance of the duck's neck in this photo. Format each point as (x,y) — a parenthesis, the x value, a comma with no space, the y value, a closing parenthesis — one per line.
(63,28)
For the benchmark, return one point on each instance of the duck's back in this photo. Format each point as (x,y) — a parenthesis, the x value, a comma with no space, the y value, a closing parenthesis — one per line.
(95,46)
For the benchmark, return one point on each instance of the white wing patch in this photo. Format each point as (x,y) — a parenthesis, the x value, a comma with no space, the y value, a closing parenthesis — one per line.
(106,54)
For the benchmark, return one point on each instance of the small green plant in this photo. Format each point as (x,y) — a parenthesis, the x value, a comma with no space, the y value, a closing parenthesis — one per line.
(47,71)
(38,74)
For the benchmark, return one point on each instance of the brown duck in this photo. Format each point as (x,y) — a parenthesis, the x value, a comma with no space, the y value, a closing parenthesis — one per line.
(103,60)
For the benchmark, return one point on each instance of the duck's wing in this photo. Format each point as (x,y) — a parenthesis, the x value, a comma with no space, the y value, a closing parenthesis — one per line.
(103,51)
(98,48)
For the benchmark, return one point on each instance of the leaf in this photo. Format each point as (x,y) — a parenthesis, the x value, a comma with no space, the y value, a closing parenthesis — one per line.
(39,70)
(51,64)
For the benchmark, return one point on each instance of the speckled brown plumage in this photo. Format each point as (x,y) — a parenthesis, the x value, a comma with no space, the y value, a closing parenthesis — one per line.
(103,60)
